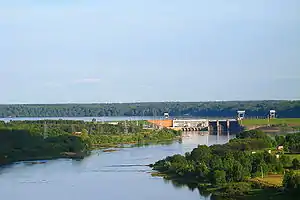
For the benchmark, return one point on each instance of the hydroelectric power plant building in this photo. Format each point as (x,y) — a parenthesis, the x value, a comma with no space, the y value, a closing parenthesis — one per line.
(211,125)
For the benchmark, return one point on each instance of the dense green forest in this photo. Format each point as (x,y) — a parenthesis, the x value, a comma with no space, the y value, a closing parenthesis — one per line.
(228,168)
(45,139)
(208,109)
(21,144)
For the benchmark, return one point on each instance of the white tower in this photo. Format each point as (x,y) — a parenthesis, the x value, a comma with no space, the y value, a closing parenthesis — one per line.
(272,114)
(166,115)
(241,114)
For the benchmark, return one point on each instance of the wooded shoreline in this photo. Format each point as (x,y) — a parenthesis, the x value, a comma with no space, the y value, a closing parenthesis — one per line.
(232,170)
(33,140)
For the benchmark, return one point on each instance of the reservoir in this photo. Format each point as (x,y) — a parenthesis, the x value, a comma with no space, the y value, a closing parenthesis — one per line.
(103,175)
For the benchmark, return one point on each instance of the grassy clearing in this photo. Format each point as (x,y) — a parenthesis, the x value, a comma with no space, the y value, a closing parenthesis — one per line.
(270,180)
(293,156)
(297,171)
(273,179)
(294,122)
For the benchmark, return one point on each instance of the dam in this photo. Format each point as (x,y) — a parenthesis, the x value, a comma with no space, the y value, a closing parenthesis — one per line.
(211,125)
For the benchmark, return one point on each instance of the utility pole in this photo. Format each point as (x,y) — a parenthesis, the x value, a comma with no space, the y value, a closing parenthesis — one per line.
(207,139)
(90,129)
(125,130)
(262,173)
(72,126)
(160,123)
(45,135)
(154,114)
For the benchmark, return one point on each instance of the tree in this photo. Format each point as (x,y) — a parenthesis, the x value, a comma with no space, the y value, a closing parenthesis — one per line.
(201,154)
(86,139)
(236,189)
(279,140)
(285,160)
(296,163)
(180,165)
(216,163)
(201,170)
(291,181)
(237,173)
(278,167)
(218,177)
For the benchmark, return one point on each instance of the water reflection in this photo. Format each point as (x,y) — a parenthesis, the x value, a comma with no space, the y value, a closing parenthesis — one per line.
(192,187)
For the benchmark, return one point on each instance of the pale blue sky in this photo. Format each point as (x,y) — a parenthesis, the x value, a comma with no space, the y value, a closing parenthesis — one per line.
(149,50)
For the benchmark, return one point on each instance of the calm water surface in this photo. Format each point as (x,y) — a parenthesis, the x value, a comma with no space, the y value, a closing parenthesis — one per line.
(117,118)
(105,176)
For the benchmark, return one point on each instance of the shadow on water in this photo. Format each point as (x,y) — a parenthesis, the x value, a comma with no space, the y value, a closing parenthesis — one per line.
(127,166)
(191,186)
(119,170)
(74,161)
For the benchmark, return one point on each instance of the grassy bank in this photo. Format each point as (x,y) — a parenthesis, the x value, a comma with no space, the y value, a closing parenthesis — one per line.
(293,156)
(269,181)
(291,122)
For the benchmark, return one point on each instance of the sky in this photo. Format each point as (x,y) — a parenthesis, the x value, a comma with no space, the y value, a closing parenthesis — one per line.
(68,51)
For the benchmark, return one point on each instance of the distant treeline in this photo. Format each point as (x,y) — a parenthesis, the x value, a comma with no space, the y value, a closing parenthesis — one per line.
(286,109)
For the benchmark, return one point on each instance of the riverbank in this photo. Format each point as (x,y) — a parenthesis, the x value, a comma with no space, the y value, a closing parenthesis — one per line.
(272,125)
(143,137)
(36,140)
(136,144)
(248,190)
(232,170)
(80,155)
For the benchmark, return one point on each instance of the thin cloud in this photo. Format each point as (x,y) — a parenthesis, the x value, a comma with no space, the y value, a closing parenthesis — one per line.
(56,84)
(88,80)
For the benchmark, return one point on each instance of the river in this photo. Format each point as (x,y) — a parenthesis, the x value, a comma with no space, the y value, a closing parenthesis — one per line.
(114,118)
(117,118)
(102,175)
